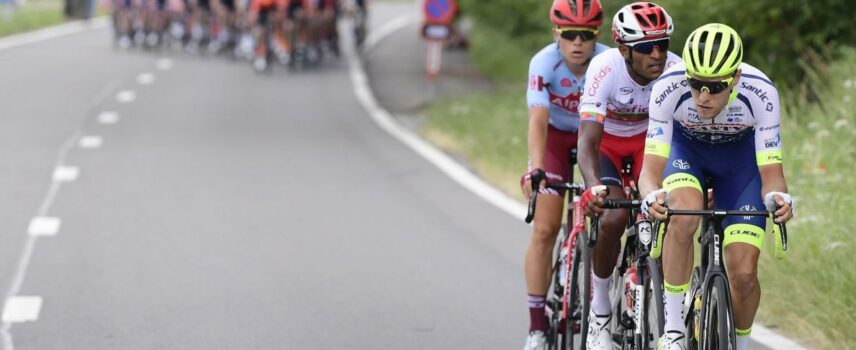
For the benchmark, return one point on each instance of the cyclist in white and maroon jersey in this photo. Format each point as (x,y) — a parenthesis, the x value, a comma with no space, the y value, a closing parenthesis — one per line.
(614,120)
(556,79)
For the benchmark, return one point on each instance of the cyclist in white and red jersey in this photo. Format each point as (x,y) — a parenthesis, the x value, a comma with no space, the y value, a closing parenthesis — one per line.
(714,117)
(556,79)
(614,119)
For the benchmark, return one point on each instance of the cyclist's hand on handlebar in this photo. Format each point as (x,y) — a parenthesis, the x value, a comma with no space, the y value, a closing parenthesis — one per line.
(593,200)
(537,175)
(783,205)
(654,205)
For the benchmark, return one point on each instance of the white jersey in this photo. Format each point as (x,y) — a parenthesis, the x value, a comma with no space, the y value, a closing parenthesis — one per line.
(756,108)
(612,93)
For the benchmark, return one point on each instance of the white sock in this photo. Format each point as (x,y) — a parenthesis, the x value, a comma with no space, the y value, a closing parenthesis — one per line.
(600,299)
(674,312)
(743,339)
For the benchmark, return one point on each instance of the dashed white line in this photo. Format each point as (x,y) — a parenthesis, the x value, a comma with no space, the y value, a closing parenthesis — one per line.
(90,142)
(164,64)
(146,78)
(108,117)
(44,226)
(22,309)
(65,173)
(126,96)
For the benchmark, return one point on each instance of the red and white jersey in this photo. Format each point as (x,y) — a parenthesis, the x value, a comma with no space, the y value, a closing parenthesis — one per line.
(610,92)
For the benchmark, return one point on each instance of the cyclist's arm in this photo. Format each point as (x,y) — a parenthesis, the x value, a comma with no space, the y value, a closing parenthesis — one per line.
(768,150)
(539,119)
(538,101)
(657,142)
(599,84)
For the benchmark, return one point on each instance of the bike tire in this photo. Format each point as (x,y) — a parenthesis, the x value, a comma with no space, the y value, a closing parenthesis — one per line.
(717,324)
(692,329)
(653,307)
(580,294)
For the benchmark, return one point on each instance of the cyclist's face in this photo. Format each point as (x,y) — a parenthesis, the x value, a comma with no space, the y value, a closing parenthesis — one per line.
(577,52)
(710,105)
(649,66)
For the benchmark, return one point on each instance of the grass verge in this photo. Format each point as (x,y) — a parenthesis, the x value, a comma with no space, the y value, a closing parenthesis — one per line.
(809,294)
(32,15)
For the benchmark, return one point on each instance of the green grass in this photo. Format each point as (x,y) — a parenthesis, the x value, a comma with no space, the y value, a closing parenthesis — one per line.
(32,15)
(811,293)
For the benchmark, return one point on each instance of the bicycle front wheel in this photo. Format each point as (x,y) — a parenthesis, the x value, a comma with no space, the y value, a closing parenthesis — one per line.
(579,301)
(717,324)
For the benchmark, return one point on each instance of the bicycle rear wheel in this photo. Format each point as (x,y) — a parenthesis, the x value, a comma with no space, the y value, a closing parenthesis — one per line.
(579,303)
(717,324)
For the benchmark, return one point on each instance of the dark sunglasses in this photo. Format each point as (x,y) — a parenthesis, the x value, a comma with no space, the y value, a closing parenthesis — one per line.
(647,47)
(571,34)
(712,87)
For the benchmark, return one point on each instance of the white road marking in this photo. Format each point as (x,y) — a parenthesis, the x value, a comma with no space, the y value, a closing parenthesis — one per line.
(145,78)
(164,64)
(22,309)
(458,172)
(44,226)
(108,117)
(126,96)
(66,173)
(90,142)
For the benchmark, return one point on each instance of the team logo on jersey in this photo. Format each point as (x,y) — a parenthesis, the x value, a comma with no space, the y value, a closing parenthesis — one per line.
(669,90)
(767,128)
(536,82)
(570,103)
(769,106)
(735,109)
(761,93)
(626,91)
(681,164)
(773,142)
(656,132)
(748,207)
(598,79)
(566,83)
(734,119)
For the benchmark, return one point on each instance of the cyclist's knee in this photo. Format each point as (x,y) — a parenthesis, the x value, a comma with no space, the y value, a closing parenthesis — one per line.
(613,222)
(682,228)
(743,280)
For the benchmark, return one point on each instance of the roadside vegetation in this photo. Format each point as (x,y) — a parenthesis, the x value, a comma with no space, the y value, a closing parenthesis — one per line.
(33,14)
(805,47)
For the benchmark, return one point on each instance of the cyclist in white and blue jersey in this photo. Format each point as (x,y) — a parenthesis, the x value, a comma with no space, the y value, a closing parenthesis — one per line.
(713,117)
(556,80)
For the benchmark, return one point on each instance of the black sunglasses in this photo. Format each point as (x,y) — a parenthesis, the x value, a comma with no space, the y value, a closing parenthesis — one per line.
(572,34)
(647,47)
(712,87)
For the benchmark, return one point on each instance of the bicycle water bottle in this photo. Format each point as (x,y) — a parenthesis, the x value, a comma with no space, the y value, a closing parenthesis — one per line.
(630,290)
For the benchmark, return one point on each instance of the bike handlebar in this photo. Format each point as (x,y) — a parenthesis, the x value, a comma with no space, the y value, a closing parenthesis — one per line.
(530,214)
(720,214)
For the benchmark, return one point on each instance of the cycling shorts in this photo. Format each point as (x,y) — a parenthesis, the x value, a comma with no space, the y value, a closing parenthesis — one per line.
(613,150)
(557,156)
(735,178)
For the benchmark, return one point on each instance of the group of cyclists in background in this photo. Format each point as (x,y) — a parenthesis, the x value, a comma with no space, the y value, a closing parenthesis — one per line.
(288,32)
(683,125)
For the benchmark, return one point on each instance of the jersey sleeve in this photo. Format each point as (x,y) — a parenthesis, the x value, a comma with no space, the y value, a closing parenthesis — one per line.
(661,111)
(768,140)
(537,94)
(600,78)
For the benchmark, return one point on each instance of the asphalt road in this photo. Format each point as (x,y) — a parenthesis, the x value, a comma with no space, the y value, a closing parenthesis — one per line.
(227,210)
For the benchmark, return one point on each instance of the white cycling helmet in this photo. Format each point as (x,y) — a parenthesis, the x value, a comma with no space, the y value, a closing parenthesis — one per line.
(641,21)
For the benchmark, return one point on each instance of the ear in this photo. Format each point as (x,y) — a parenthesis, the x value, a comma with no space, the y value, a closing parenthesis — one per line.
(625,51)
(737,77)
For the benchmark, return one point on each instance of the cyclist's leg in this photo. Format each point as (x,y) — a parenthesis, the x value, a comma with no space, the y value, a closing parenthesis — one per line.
(683,179)
(548,219)
(738,187)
